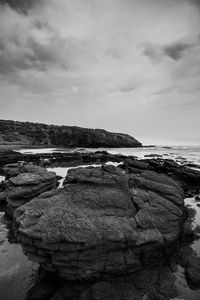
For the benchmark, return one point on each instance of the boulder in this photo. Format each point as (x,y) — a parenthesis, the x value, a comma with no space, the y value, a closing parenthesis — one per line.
(24,182)
(104,221)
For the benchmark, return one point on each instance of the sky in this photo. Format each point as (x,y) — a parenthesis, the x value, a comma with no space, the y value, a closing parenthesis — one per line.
(129,66)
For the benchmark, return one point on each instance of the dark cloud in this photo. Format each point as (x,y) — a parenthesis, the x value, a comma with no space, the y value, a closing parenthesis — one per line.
(29,43)
(20,5)
(177,50)
(32,55)
(196,2)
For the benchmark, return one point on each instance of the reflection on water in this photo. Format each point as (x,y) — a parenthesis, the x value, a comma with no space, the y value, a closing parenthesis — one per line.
(17,273)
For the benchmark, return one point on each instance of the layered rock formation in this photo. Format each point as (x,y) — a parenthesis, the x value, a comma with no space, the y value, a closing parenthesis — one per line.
(154,284)
(24,182)
(188,178)
(27,133)
(104,221)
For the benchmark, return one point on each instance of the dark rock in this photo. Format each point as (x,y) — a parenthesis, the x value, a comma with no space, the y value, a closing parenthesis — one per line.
(44,288)
(104,221)
(12,170)
(28,182)
(188,228)
(188,178)
(2,197)
(189,259)
(9,156)
(197,198)
(156,283)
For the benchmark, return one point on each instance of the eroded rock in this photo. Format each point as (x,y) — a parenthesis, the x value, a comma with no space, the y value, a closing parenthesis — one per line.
(104,221)
(24,182)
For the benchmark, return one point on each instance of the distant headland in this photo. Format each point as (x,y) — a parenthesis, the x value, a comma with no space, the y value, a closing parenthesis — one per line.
(38,134)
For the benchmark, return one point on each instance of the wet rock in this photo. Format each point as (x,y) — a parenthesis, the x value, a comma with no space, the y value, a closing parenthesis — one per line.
(188,228)
(12,170)
(157,283)
(164,288)
(104,221)
(44,288)
(2,197)
(193,271)
(189,259)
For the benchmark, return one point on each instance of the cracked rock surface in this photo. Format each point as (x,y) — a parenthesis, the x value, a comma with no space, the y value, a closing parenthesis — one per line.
(24,182)
(104,221)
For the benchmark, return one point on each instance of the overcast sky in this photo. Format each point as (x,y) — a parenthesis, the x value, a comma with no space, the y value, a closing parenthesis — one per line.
(128,66)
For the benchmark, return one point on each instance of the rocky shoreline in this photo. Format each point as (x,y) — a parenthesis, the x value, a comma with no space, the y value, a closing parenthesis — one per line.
(107,229)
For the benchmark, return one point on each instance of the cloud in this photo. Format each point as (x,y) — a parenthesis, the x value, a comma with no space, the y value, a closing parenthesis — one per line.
(29,42)
(94,61)
(20,5)
(177,50)
(153,52)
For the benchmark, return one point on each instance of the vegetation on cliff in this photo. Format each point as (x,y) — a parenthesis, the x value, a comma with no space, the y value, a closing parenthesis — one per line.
(28,133)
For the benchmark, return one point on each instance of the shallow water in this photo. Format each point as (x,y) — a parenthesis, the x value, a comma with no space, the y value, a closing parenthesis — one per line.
(17,273)
(178,153)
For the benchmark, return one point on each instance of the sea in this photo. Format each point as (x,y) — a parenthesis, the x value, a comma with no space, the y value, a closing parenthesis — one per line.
(18,274)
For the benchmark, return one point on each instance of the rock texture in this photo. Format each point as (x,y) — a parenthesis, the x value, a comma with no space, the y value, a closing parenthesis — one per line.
(190,261)
(24,182)
(154,284)
(104,221)
(27,133)
(189,179)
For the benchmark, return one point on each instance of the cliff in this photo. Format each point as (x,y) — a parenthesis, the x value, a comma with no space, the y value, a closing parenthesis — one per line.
(28,133)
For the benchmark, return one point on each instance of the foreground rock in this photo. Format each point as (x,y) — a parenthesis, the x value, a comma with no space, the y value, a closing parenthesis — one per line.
(155,283)
(104,221)
(190,261)
(24,182)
